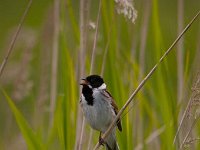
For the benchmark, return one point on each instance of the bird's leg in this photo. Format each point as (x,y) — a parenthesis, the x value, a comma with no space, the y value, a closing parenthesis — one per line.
(101,141)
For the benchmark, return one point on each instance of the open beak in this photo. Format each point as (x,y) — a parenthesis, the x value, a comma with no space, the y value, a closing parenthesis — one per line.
(84,82)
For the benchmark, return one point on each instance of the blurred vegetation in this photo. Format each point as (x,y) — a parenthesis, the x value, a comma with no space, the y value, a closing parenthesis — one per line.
(28,118)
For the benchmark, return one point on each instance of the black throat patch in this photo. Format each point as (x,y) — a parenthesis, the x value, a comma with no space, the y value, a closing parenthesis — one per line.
(87,93)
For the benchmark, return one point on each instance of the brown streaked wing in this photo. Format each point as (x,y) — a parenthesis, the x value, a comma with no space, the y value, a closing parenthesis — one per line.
(108,95)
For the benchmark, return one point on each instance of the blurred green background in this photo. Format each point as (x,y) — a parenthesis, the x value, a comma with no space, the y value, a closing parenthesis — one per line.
(39,102)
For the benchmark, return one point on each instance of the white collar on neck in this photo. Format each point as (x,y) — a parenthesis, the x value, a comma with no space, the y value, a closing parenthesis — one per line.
(102,87)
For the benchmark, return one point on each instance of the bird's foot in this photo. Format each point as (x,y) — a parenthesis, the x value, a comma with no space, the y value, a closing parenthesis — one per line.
(101,141)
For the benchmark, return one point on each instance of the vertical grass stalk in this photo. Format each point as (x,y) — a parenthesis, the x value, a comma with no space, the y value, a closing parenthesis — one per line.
(82,54)
(54,68)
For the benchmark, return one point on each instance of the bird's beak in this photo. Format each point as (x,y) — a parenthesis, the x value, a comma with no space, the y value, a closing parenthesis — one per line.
(84,82)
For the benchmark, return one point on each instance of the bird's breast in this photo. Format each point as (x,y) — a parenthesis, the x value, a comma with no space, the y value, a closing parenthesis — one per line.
(100,114)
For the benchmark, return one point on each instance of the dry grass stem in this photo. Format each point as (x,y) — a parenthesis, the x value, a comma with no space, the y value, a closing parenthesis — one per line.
(93,59)
(90,139)
(194,101)
(80,125)
(188,133)
(191,102)
(15,38)
(192,141)
(104,59)
(143,38)
(151,137)
(82,133)
(181,122)
(113,124)
(95,39)
(180,51)
(54,61)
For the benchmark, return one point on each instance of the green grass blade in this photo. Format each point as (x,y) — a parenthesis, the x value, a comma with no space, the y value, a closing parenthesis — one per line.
(27,132)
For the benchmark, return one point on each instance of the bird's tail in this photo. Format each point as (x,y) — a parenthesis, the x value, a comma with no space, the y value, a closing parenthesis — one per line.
(111,142)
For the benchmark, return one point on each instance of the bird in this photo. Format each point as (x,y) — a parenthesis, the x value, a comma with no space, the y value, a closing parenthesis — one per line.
(99,109)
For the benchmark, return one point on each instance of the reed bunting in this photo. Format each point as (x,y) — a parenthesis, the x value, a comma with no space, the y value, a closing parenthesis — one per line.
(99,109)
